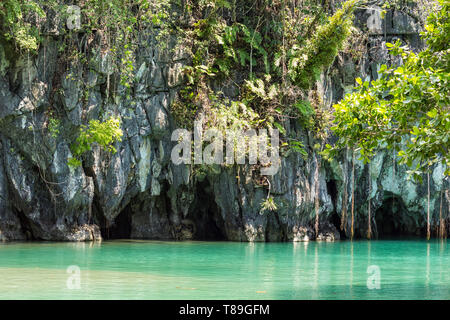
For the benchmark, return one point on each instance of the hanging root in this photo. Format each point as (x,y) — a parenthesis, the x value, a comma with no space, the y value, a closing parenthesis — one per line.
(316,200)
(369,227)
(345,199)
(428,206)
(393,174)
(353,193)
(442,231)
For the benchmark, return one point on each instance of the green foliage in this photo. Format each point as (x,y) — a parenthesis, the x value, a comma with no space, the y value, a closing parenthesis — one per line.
(307,62)
(73,162)
(257,89)
(122,23)
(104,133)
(407,108)
(268,205)
(304,112)
(249,50)
(54,126)
(259,53)
(269,52)
(16,23)
(119,24)
(111,32)
(298,146)
(232,115)
(184,112)
(185,108)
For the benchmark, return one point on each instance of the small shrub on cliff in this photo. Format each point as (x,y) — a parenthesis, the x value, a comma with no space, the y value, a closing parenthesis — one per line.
(16,17)
(268,205)
(306,63)
(104,133)
(54,126)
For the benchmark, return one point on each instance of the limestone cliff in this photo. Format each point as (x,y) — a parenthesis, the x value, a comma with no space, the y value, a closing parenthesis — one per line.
(139,193)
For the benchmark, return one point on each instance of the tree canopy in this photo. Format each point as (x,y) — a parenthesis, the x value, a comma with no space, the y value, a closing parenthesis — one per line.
(407,107)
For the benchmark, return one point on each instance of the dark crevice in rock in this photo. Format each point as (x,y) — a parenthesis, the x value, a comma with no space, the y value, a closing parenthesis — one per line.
(335,219)
(239,191)
(274,231)
(99,218)
(121,228)
(332,191)
(165,206)
(205,218)
(25,224)
(88,171)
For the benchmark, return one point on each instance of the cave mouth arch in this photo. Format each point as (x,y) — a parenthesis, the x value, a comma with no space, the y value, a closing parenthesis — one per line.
(121,228)
(393,221)
(335,218)
(205,215)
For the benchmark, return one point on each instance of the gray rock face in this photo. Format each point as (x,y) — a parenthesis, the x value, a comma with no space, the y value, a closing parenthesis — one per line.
(397,205)
(139,193)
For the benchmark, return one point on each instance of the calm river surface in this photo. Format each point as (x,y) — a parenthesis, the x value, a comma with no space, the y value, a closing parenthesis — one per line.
(225,270)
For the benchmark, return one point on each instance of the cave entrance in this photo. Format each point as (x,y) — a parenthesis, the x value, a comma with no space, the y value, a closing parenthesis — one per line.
(25,224)
(335,218)
(121,228)
(205,215)
(391,219)
(336,221)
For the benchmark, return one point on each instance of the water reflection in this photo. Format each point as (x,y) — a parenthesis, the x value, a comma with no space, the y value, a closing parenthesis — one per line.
(351,264)
(316,264)
(297,259)
(211,270)
(427,273)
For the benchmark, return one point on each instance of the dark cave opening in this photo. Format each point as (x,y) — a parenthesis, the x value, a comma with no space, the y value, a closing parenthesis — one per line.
(335,219)
(274,232)
(390,219)
(332,190)
(25,224)
(121,227)
(205,215)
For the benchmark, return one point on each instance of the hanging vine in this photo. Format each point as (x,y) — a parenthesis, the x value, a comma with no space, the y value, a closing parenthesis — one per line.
(345,196)
(441,220)
(369,218)
(428,205)
(353,194)
(316,199)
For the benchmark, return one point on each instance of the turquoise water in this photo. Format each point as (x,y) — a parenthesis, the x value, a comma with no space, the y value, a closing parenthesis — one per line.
(225,270)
